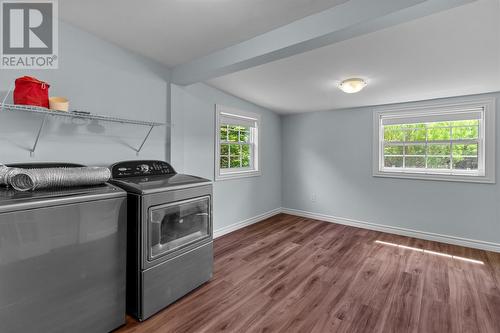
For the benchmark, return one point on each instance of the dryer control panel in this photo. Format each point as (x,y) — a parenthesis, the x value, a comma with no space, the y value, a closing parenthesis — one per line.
(129,169)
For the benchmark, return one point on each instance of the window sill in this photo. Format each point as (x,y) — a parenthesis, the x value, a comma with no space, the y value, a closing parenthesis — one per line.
(435,176)
(237,175)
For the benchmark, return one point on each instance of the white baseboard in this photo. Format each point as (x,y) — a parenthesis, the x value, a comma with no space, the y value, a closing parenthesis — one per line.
(238,225)
(477,244)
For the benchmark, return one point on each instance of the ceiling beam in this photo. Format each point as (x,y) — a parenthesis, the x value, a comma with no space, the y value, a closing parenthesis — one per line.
(350,19)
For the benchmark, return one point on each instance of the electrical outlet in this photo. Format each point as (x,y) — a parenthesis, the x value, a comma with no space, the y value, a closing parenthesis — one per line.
(313,197)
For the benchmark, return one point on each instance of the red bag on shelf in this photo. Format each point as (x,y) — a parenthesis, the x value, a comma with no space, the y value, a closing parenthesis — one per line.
(31,91)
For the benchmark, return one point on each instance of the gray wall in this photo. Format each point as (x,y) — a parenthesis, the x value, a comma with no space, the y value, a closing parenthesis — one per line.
(101,78)
(329,155)
(193,118)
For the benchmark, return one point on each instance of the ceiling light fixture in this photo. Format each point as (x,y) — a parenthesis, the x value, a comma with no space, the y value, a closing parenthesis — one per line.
(351,86)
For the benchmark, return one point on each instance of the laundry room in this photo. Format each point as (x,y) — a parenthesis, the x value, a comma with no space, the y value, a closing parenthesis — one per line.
(249,166)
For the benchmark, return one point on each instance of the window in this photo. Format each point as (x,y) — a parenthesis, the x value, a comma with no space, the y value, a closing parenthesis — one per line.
(436,141)
(237,143)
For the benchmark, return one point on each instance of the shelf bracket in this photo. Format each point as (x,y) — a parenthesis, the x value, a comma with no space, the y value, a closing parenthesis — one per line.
(138,150)
(32,150)
(7,94)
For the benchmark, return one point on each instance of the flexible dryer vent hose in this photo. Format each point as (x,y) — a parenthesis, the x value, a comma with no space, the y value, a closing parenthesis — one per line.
(7,173)
(3,174)
(33,179)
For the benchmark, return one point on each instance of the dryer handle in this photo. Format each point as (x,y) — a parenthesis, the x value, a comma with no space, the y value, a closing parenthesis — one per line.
(155,233)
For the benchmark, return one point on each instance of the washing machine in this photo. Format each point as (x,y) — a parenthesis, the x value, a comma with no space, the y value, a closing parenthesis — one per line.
(62,259)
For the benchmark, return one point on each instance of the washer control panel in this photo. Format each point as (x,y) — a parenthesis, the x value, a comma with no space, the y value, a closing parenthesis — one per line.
(141,168)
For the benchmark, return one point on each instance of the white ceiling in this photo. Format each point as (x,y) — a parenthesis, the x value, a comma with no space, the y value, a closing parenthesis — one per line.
(456,52)
(174,32)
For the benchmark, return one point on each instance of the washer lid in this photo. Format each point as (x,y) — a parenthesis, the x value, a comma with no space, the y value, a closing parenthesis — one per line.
(12,200)
(155,184)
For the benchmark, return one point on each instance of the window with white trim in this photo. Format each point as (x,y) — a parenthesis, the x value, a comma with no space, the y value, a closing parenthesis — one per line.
(237,143)
(436,141)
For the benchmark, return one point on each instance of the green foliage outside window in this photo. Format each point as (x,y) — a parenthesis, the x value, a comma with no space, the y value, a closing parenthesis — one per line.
(437,145)
(235,147)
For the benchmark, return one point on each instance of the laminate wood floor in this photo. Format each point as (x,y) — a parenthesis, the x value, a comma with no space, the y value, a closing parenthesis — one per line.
(291,274)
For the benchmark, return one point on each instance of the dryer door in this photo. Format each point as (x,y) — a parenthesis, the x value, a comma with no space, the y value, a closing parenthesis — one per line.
(177,225)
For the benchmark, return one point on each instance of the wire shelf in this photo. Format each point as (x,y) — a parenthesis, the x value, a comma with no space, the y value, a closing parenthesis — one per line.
(74,114)
(45,113)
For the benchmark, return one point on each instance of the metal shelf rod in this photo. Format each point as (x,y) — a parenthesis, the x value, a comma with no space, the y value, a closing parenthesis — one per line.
(32,151)
(137,151)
